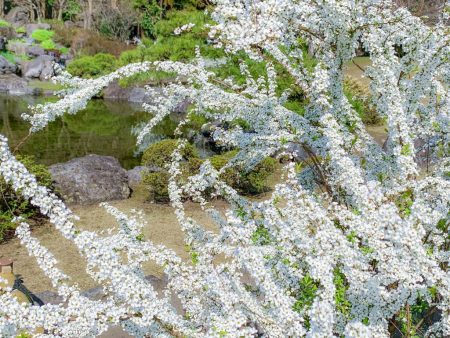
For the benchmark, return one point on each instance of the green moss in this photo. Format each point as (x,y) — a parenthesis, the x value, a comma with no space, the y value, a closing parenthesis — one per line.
(48,44)
(42,35)
(13,204)
(21,30)
(45,85)
(4,23)
(8,56)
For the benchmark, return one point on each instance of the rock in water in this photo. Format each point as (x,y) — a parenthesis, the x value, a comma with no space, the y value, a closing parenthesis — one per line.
(14,85)
(90,179)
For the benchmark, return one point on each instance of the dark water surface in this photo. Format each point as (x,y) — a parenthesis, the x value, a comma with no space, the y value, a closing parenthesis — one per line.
(104,128)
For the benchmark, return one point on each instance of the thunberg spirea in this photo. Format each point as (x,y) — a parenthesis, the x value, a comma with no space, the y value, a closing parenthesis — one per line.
(343,245)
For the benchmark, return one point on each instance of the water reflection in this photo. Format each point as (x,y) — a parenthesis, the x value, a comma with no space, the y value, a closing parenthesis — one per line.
(104,128)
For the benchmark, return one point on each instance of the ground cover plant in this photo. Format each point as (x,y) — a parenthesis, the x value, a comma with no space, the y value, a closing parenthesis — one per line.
(353,241)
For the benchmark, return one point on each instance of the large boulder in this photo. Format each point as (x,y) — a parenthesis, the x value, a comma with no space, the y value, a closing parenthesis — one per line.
(91,179)
(39,68)
(18,47)
(35,51)
(7,67)
(14,85)
(18,16)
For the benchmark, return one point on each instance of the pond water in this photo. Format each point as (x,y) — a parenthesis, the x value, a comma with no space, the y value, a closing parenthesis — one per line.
(103,128)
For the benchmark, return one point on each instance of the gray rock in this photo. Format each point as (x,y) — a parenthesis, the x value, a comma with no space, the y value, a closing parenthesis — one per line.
(18,16)
(14,85)
(7,67)
(91,179)
(135,175)
(30,28)
(7,32)
(18,47)
(39,68)
(131,94)
(138,95)
(69,24)
(35,50)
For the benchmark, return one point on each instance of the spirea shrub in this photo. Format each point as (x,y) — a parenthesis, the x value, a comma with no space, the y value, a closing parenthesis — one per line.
(355,243)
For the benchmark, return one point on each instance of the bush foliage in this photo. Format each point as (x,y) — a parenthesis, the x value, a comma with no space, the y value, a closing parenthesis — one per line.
(92,66)
(13,204)
(158,155)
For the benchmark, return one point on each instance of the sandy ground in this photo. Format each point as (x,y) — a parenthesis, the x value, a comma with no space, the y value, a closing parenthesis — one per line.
(162,227)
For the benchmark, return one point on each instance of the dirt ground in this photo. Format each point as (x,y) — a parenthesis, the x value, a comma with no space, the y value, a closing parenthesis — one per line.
(162,228)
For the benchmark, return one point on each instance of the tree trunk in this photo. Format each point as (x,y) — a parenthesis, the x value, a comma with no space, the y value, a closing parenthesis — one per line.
(88,14)
(42,9)
(60,13)
(2,8)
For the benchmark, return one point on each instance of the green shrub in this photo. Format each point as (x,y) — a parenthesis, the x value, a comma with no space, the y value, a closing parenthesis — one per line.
(42,35)
(159,155)
(48,44)
(252,182)
(92,66)
(12,204)
(157,183)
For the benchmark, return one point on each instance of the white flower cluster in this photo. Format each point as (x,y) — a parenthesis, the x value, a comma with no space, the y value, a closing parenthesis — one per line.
(342,246)
(185,28)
